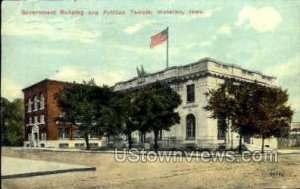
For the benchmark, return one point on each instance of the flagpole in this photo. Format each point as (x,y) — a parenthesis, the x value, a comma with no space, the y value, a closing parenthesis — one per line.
(168,48)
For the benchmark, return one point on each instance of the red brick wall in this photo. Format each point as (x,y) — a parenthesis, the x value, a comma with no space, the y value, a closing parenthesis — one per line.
(53,110)
(50,89)
(30,93)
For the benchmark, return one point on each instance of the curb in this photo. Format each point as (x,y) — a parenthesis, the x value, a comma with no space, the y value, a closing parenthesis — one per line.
(22,175)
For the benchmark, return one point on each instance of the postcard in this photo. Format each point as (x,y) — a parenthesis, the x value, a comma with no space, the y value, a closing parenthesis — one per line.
(150,94)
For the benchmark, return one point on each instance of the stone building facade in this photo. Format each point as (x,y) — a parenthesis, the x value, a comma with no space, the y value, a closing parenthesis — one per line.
(191,81)
(42,128)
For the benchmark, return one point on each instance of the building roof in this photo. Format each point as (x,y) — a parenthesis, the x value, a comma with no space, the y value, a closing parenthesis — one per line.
(45,81)
(204,60)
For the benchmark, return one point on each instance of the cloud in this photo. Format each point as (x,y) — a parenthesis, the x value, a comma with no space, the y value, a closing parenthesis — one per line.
(51,51)
(206,43)
(224,29)
(288,69)
(262,20)
(77,74)
(70,74)
(109,78)
(54,30)
(11,89)
(138,26)
(288,75)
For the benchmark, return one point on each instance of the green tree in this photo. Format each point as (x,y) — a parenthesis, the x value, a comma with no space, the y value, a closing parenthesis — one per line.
(12,122)
(222,105)
(154,108)
(117,116)
(273,115)
(230,102)
(252,108)
(243,120)
(82,106)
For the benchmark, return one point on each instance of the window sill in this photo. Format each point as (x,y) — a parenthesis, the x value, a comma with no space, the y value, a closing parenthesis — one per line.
(190,105)
(190,139)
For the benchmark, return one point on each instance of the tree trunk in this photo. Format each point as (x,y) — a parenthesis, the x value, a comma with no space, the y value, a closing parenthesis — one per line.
(129,140)
(155,140)
(86,138)
(227,127)
(240,144)
(262,144)
(231,143)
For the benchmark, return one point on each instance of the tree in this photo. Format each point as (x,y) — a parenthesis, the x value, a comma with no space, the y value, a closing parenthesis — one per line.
(222,105)
(12,122)
(117,116)
(252,108)
(243,120)
(273,116)
(230,102)
(154,108)
(81,104)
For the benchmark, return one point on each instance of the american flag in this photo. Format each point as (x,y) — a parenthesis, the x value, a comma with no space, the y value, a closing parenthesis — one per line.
(159,38)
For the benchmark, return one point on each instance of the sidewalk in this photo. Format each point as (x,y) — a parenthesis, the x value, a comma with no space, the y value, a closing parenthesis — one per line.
(280,151)
(18,167)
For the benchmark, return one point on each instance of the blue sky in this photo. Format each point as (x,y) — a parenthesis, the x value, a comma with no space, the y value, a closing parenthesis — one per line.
(257,35)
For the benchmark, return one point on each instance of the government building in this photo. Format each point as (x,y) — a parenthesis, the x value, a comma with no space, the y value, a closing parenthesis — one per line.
(190,81)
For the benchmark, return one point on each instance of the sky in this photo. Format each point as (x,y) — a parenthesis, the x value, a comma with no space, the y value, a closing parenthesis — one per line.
(257,35)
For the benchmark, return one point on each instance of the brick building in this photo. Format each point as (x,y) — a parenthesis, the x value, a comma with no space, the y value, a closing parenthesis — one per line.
(42,128)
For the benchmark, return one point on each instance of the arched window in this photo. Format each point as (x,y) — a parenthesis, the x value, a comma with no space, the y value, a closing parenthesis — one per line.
(190,127)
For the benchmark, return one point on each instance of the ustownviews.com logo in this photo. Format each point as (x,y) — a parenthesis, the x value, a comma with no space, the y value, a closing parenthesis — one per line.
(140,155)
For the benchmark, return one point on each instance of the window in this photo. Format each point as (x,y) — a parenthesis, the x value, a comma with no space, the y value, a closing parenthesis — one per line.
(94,145)
(190,93)
(42,119)
(36,119)
(94,133)
(42,101)
(35,101)
(78,134)
(79,145)
(30,120)
(221,130)
(30,137)
(29,105)
(63,132)
(43,136)
(63,145)
(190,127)
(160,134)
